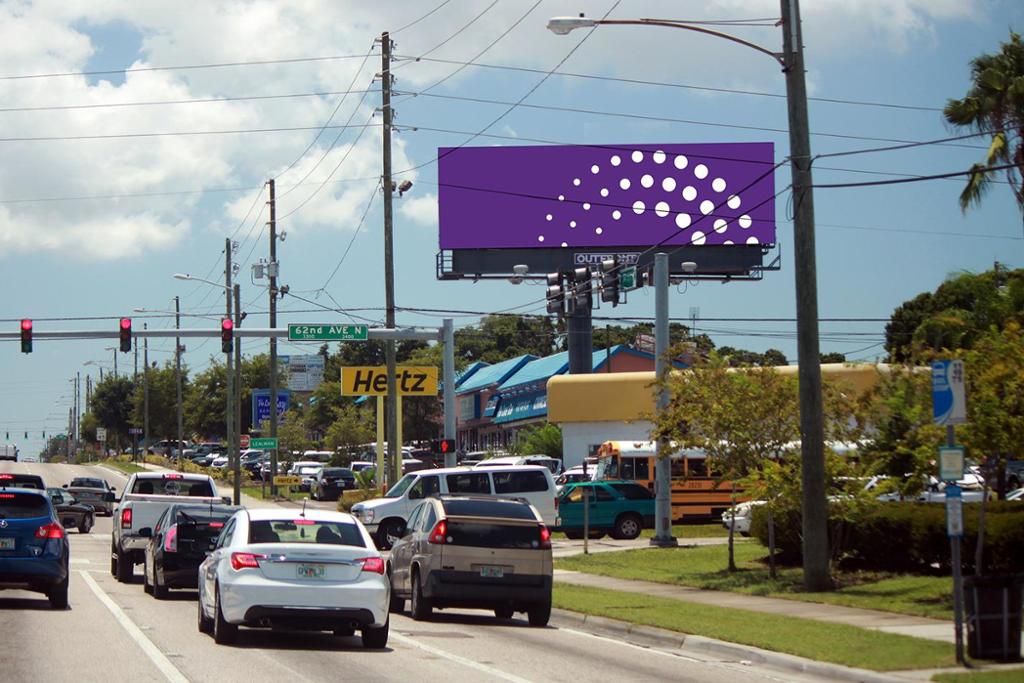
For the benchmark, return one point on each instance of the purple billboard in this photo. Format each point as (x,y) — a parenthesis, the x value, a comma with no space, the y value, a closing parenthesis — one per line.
(606,196)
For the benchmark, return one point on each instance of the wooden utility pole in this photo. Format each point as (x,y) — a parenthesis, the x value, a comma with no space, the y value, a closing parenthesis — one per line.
(272,275)
(391,400)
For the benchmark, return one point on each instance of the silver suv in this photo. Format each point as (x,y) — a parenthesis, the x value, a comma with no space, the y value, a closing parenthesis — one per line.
(475,552)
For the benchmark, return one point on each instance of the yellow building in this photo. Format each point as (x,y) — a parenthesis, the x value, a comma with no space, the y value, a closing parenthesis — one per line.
(592,409)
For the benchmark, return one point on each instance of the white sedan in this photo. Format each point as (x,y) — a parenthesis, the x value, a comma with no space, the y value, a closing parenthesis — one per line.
(316,569)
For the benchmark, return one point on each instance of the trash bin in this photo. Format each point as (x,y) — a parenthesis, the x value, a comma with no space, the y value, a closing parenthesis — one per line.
(993,609)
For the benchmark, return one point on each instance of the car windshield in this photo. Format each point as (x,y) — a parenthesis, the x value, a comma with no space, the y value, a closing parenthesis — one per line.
(89,483)
(305,531)
(22,505)
(398,489)
(171,485)
(309,469)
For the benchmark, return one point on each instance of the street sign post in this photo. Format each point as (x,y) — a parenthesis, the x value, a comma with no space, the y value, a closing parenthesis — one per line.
(101,433)
(627,278)
(327,332)
(954,511)
(264,444)
(287,480)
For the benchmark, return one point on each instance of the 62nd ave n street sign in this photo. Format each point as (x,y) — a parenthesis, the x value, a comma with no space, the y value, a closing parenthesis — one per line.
(325,332)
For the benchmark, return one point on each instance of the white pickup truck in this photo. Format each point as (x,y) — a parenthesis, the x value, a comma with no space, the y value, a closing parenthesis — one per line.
(146,496)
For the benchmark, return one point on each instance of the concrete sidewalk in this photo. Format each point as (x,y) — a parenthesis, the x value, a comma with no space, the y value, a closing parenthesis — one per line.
(919,627)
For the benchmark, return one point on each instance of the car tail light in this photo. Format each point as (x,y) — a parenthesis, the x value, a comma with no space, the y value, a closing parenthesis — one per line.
(438,533)
(6,476)
(216,525)
(171,541)
(126,518)
(545,537)
(241,561)
(373,564)
(6,495)
(51,530)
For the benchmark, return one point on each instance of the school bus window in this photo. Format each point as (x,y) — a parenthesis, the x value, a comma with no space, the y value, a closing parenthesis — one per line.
(678,465)
(697,467)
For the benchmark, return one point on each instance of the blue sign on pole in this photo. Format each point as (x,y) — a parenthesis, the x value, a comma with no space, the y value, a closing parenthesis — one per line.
(261,405)
(949,405)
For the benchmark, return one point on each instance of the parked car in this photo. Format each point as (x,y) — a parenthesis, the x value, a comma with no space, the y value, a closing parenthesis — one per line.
(574,474)
(220,462)
(93,491)
(385,516)
(178,544)
(621,509)
(206,453)
(71,512)
(315,569)
(329,482)
(166,447)
(744,514)
(306,470)
(553,464)
(34,550)
(475,552)
(1016,494)
(146,496)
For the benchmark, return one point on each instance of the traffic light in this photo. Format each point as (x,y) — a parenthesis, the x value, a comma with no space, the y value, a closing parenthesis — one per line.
(610,281)
(26,335)
(443,446)
(125,334)
(581,289)
(227,333)
(555,294)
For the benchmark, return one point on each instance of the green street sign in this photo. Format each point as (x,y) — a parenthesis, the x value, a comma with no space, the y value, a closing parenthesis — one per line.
(263,444)
(325,332)
(627,278)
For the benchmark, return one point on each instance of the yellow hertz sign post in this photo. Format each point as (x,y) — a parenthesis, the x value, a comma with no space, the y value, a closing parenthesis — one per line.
(411,380)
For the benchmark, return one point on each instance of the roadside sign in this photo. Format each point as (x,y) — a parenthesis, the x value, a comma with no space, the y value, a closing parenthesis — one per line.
(951,463)
(949,404)
(627,278)
(266,444)
(327,332)
(243,441)
(412,380)
(287,480)
(954,511)
(101,433)
(135,431)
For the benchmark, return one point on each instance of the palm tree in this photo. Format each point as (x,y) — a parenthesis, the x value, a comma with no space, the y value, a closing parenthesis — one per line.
(994,104)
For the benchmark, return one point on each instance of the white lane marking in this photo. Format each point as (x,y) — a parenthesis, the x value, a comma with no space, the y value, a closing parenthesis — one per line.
(78,560)
(161,662)
(497,673)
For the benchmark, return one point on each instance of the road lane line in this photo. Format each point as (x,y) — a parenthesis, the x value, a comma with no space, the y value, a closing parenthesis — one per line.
(497,673)
(170,672)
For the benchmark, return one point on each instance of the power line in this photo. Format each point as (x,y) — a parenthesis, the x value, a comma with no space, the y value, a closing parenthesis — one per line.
(421,18)
(114,136)
(900,181)
(355,233)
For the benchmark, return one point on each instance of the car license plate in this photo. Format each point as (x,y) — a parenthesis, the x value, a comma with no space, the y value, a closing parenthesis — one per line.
(491,572)
(310,571)
(7,543)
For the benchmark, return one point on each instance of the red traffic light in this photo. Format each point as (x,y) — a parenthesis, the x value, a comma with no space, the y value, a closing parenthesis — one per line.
(26,324)
(125,335)
(226,325)
(26,335)
(227,329)
(126,324)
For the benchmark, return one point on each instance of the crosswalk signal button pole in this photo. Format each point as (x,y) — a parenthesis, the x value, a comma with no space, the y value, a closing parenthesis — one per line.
(125,335)
(26,336)
(227,334)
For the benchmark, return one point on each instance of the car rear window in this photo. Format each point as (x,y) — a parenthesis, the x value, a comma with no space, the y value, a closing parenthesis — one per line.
(493,535)
(89,483)
(25,481)
(337,472)
(167,486)
(488,508)
(519,481)
(633,491)
(468,483)
(22,505)
(305,531)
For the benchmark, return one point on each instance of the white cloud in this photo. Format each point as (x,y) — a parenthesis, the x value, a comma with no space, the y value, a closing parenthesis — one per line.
(420,209)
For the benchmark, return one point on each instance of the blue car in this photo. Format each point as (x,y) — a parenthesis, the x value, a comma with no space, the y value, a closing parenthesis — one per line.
(34,549)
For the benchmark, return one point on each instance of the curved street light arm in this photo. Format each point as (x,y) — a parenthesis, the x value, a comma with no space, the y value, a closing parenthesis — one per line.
(777,56)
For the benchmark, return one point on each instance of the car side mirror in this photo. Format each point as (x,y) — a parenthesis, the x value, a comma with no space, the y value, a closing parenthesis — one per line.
(226,500)
(64,486)
(146,532)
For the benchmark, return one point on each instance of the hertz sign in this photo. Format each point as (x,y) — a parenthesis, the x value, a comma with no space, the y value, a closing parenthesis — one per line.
(412,380)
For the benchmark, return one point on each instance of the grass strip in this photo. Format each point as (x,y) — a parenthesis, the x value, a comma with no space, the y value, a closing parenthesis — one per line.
(821,641)
(126,467)
(999,676)
(680,531)
(705,567)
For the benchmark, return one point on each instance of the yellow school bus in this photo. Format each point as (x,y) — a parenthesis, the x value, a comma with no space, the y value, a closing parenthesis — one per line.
(696,493)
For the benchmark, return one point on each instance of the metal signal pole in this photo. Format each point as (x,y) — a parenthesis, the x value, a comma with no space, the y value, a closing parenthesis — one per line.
(229,390)
(177,378)
(272,273)
(236,450)
(391,400)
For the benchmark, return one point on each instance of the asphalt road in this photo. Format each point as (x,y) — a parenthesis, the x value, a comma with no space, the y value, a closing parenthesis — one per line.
(115,632)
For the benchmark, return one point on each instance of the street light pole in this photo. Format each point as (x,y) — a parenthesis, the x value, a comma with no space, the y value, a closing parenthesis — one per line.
(236,448)
(662,464)
(177,377)
(145,388)
(229,379)
(272,273)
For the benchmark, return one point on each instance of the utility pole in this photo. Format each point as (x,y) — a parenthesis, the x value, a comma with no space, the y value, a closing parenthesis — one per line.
(391,400)
(145,388)
(236,448)
(663,537)
(88,393)
(229,378)
(450,459)
(177,376)
(114,349)
(272,275)
(812,440)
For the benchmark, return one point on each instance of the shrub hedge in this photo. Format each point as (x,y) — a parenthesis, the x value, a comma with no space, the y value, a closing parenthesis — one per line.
(904,537)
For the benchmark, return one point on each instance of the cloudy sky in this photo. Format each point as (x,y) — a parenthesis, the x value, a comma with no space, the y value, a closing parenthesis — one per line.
(138,135)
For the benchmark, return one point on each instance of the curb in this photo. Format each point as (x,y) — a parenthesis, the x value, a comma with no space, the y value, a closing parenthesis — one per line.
(672,640)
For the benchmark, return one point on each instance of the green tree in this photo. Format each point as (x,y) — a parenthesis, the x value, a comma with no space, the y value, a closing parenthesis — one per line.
(546,439)
(163,401)
(205,402)
(499,337)
(112,405)
(994,105)
(351,426)
(833,357)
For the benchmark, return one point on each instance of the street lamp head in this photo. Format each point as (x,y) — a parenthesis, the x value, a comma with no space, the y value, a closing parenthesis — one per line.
(404,187)
(689,267)
(182,276)
(563,25)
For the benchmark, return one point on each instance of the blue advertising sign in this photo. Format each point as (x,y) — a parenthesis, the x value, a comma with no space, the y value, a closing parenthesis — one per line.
(261,404)
(949,405)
